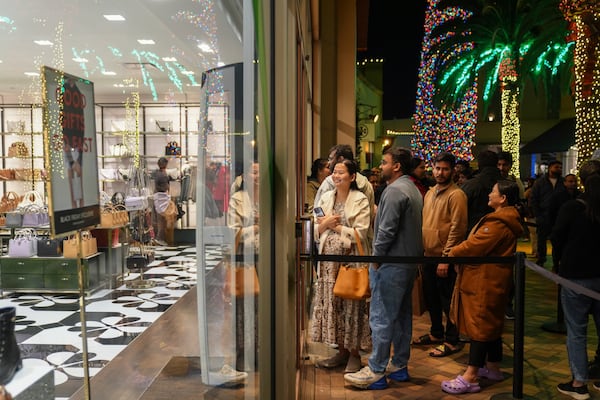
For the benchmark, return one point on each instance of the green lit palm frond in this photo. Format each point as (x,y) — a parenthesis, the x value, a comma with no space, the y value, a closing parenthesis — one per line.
(530,33)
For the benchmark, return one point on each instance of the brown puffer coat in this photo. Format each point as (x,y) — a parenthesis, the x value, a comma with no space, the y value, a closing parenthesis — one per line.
(481,291)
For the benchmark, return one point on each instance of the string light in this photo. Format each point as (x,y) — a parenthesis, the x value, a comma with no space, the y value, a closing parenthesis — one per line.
(445,129)
(497,56)
(585,22)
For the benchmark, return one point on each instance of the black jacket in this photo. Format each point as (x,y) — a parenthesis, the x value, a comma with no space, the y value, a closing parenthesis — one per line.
(575,238)
(477,190)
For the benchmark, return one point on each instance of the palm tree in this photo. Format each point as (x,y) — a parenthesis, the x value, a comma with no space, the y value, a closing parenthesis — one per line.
(584,18)
(500,45)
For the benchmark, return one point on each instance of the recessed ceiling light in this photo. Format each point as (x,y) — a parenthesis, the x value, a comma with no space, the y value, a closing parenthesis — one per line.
(109,73)
(205,48)
(186,72)
(80,59)
(43,42)
(114,17)
(32,73)
(146,41)
(169,59)
(220,64)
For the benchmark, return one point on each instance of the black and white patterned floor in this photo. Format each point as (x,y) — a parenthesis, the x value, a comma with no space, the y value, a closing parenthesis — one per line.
(48,326)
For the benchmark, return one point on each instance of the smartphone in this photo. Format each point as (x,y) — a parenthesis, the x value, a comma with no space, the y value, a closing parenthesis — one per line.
(319,212)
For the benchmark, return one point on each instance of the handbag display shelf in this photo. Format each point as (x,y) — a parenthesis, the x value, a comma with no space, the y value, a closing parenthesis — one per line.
(51,274)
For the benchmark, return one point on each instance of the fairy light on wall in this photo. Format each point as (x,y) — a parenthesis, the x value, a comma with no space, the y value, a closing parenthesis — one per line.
(585,22)
(441,130)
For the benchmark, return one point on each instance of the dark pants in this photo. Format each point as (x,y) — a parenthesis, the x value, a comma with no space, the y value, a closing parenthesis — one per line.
(543,233)
(438,295)
(480,352)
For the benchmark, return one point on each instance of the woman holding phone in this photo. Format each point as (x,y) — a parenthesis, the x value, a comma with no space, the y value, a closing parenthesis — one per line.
(335,320)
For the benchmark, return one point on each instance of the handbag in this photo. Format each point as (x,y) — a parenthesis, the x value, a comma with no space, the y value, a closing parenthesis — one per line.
(241,280)
(9,202)
(173,149)
(35,216)
(14,219)
(352,282)
(7,174)
(47,247)
(134,203)
(24,244)
(89,245)
(418,295)
(18,149)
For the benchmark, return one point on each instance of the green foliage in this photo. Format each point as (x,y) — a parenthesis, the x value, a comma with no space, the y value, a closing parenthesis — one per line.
(527,34)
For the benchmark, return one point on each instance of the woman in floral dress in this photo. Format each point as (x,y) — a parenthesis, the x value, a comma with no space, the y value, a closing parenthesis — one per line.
(336,320)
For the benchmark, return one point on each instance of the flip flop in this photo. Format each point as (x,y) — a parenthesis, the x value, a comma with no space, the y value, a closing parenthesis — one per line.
(444,350)
(426,340)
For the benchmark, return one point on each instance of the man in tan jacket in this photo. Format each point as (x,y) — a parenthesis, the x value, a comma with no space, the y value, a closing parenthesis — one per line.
(444,226)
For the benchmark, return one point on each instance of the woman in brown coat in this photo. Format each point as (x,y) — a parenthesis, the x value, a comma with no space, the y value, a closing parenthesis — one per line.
(481,291)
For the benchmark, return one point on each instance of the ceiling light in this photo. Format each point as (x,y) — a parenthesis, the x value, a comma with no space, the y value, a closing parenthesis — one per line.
(109,73)
(220,64)
(186,72)
(205,48)
(80,59)
(114,17)
(169,59)
(146,41)
(43,42)
(32,73)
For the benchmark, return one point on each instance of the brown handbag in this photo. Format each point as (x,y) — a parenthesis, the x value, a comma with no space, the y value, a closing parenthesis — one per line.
(9,202)
(241,280)
(18,149)
(352,281)
(7,174)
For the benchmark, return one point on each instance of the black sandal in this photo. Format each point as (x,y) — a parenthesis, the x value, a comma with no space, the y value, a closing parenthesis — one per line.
(426,340)
(444,350)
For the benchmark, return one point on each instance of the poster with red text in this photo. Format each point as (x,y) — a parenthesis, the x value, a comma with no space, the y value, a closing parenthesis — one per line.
(71,153)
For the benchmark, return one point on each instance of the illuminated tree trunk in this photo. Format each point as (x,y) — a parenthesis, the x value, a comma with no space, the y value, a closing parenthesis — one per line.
(511,127)
(584,16)
(587,84)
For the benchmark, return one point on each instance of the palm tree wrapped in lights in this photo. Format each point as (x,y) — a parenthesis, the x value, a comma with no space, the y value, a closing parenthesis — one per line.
(502,44)
(584,19)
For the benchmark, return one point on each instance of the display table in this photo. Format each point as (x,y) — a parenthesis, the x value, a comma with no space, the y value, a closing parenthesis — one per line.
(50,274)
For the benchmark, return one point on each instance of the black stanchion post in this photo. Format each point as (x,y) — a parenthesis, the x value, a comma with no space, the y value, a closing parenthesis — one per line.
(519,327)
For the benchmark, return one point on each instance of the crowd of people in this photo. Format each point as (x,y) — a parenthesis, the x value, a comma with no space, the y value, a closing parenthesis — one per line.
(452,211)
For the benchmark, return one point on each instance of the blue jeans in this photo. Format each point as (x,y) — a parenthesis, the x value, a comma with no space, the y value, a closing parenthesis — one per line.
(391,314)
(577,308)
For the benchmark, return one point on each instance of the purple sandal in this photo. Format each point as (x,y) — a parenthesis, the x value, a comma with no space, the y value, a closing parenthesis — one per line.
(460,386)
(491,375)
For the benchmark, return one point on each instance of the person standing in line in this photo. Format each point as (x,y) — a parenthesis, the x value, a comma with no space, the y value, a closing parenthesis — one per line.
(318,172)
(542,192)
(397,233)
(482,290)
(478,187)
(505,163)
(335,320)
(575,237)
(417,175)
(338,153)
(444,226)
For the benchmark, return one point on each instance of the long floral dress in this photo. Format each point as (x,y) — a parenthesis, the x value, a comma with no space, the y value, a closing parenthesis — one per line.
(336,320)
